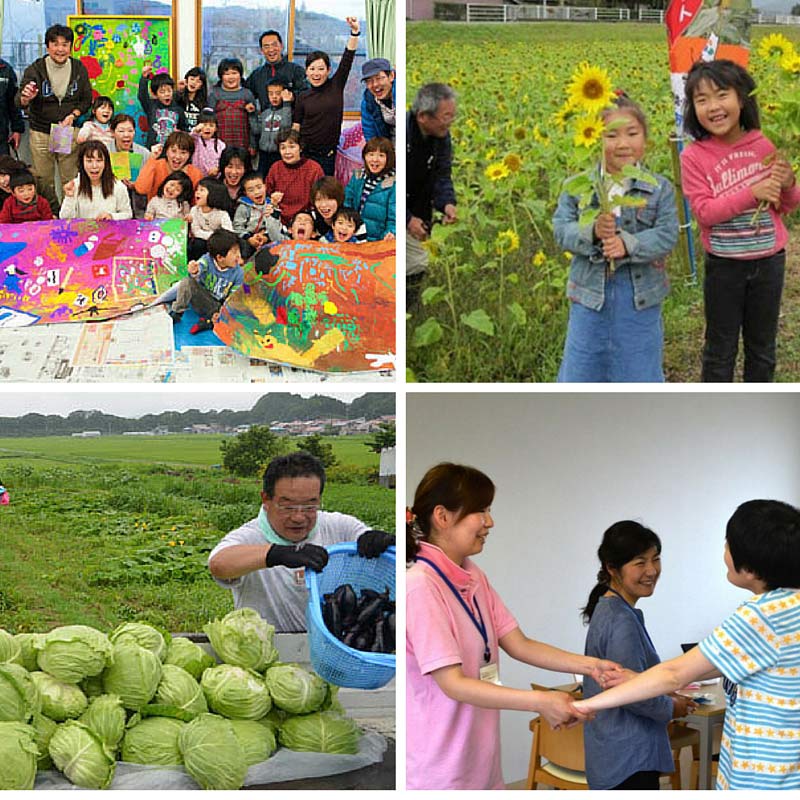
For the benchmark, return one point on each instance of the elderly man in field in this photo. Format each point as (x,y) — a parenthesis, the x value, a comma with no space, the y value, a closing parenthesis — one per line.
(429,184)
(263,562)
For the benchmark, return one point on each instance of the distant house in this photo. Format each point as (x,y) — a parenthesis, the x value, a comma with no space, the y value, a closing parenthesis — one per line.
(387,471)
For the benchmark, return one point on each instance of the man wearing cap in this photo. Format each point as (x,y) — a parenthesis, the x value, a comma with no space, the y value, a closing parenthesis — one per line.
(378,110)
(263,562)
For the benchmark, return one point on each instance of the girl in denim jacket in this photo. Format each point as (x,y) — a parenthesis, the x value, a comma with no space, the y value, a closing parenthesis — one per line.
(618,279)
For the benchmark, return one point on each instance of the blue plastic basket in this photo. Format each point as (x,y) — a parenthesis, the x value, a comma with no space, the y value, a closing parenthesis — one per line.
(331,659)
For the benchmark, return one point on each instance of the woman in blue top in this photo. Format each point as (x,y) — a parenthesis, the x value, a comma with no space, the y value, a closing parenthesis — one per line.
(628,747)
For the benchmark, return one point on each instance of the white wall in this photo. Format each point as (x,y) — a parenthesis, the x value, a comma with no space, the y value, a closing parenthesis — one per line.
(566,466)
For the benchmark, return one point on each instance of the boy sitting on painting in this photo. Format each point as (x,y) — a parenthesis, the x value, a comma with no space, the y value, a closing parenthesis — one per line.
(253,221)
(25,204)
(212,278)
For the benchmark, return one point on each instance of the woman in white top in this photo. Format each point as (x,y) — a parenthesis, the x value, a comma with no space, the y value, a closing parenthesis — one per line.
(95,193)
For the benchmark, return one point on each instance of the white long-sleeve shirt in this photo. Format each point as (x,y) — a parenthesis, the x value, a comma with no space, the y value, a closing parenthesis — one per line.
(79,206)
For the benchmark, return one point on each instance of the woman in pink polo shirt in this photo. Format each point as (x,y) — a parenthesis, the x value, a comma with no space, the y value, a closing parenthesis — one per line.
(455,625)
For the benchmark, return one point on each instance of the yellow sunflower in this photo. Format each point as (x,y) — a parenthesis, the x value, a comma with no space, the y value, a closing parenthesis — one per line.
(496,171)
(791,63)
(588,131)
(539,259)
(513,162)
(563,114)
(775,46)
(519,133)
(590,88)
(507,241)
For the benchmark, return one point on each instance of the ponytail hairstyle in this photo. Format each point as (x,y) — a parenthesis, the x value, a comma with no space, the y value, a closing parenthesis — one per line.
(622,542)
(457,487)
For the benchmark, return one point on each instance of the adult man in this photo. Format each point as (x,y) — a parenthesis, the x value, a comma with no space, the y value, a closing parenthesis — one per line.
(55,89)
(293,76)
(263,562)
(378,109)
(11,123)
(429,185)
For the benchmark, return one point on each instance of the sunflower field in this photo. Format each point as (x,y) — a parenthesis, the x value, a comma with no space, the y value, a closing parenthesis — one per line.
(493,306)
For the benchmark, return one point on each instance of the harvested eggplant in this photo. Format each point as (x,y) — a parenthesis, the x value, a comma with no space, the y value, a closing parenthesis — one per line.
(364,622)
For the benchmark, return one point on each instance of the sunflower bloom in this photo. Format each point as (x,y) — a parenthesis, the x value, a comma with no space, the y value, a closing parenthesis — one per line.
(496,171)
(775,46)
(507,241)
(539,259)
(520,133)
(563,114)
(588,131)
(513,162)
(590,89)
(791,63)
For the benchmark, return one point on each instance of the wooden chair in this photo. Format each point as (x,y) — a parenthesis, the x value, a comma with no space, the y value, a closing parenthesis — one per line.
(681,736)
(563,751)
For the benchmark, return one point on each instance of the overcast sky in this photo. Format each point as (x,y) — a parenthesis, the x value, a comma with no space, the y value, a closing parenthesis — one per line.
(132,402)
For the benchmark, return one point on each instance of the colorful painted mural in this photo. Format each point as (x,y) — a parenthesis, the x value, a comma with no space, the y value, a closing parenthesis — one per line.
(327,307)
(84,270)
(114,50)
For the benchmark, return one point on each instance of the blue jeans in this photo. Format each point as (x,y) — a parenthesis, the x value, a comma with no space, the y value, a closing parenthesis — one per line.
(617,343)
(742,296)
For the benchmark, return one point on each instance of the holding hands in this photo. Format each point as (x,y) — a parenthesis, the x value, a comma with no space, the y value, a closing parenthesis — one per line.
(558,709)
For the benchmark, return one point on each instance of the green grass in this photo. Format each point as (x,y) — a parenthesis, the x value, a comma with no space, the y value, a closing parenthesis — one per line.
(185,449)
(101,539)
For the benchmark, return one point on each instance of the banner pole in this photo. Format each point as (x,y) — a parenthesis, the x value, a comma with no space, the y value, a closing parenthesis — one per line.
(685,239)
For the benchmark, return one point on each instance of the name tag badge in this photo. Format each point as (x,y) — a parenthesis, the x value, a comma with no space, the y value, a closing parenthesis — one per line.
(300,577)
(491,674)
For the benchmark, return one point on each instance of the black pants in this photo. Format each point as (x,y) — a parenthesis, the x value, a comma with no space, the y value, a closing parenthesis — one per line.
(325,157)
(640,780)
(742,296)
(266,160)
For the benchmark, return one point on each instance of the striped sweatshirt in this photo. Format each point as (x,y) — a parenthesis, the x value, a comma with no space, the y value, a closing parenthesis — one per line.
(716,179)
(758,647)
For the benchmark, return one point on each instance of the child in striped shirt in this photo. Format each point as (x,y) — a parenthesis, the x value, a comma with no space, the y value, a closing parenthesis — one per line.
(738,187)
(757,649)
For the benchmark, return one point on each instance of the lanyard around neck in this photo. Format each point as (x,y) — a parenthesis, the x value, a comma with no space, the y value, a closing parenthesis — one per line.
(638,618)
(477,622)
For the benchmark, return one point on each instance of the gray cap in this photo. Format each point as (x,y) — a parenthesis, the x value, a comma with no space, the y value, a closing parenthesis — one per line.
(374,66)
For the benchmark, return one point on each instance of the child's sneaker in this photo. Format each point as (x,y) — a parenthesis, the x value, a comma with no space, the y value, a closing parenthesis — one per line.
(202,325)
(177,316)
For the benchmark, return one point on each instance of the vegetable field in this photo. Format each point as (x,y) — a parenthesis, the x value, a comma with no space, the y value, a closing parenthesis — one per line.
(103,531)
(493,307)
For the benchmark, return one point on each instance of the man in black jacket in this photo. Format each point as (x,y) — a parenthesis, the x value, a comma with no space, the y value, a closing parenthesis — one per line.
(11,122)
(55,89)
(293,76)
(429,184)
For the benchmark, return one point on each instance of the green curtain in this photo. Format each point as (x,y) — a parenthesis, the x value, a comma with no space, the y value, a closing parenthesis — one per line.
(381,27)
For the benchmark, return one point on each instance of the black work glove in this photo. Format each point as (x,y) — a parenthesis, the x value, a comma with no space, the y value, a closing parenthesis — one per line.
(297,555)
(372,543)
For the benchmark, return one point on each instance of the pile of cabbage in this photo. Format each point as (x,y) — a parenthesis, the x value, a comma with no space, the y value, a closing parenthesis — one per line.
(78,700)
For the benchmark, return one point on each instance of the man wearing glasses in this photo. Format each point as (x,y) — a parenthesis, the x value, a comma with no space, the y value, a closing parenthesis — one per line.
(264,561)
(293,76)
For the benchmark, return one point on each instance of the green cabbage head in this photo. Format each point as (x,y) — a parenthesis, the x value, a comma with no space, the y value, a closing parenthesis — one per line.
(257,740)
(185,653)
(244,639)
(9,648)
(144,635)
(106,717)
(73,652)
(179,688)
(154,740)
(27,650)
(81,755)
(235,692)
(212,754)
(60,701)
(19,697)
(17,755)
(295,689)
(44,728)
(323,732)
(134,674)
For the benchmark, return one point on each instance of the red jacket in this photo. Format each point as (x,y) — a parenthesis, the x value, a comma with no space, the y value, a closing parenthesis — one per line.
(14,212)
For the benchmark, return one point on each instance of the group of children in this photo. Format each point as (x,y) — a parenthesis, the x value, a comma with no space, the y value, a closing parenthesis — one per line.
(197,168)
(737,187)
